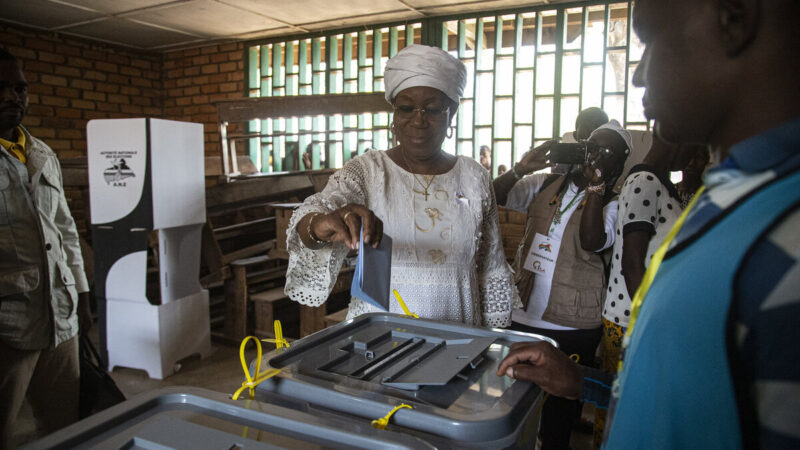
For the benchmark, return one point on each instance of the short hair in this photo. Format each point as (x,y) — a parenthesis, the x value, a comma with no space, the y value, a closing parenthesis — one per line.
(5,55)
(593,115)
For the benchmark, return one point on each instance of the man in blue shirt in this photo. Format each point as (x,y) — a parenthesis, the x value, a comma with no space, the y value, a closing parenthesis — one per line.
(711,357)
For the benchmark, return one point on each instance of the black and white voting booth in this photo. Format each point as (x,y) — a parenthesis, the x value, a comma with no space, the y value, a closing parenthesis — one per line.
(146,175)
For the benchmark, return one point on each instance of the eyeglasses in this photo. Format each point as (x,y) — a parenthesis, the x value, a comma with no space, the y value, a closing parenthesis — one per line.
(405,112)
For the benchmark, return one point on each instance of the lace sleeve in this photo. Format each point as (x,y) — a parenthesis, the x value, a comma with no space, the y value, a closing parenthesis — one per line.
(496,279)
(312,273)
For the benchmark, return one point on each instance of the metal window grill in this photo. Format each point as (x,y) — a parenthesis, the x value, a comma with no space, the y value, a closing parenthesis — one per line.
(530,71)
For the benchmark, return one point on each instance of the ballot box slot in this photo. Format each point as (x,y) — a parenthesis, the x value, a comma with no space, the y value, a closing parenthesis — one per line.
(389,358)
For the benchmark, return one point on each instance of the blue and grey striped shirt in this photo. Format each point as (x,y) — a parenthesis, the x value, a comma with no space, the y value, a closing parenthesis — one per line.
(764,318)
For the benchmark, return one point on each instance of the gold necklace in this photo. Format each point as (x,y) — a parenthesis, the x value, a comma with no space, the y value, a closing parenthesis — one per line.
(428,179)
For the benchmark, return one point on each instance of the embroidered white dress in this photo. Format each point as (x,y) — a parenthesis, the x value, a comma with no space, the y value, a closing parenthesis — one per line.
(447,255)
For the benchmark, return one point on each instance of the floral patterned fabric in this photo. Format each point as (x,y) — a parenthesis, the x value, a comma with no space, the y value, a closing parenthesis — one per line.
(447,256)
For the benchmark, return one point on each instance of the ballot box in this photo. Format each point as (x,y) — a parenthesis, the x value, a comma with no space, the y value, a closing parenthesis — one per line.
(361,369)
(192,418)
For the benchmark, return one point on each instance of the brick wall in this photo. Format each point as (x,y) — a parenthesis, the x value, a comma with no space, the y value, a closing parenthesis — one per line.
(73,81)
(196,78)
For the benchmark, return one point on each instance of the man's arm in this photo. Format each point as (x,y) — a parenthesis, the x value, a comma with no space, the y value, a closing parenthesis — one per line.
(532,161)
(541,363)
(503,184)
(557,374)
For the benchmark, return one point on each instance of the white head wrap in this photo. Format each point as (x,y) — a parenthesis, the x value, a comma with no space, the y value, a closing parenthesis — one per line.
(615,126)
(421,65)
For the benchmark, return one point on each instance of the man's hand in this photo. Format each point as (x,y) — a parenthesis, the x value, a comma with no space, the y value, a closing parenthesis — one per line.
(544,365)
(84,313)
(535,159)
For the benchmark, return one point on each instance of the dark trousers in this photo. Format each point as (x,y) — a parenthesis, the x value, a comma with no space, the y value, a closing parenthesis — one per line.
(559,415)
(49,378)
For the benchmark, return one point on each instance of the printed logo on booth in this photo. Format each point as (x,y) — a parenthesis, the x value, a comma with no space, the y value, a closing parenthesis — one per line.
(119,171)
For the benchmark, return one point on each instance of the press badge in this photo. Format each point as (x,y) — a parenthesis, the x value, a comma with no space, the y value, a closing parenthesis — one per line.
(542,255)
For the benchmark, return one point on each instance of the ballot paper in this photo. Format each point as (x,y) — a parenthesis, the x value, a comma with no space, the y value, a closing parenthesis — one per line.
(373,272)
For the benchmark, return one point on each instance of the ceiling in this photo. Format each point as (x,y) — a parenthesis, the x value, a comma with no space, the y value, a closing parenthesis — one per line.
(163,25)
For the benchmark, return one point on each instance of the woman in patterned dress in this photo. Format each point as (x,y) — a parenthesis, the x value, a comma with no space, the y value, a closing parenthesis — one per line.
(447,256)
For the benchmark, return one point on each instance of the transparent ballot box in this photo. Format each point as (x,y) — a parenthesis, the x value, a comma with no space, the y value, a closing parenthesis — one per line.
(193,418)
(363,368)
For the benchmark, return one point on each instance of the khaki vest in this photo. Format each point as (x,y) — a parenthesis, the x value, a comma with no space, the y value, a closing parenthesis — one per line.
(579,280)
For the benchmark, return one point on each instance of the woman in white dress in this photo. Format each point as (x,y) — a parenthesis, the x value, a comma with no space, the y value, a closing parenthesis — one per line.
(447,256)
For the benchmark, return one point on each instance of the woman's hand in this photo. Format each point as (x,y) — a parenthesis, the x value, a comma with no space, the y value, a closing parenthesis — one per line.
(593,169)
(535,159)
(593,174)
(344,225)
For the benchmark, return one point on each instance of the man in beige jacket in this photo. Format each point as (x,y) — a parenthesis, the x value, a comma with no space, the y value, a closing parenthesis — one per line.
(43,288)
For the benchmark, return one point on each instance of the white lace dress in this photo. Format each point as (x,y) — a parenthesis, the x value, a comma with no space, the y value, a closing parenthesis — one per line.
(447,256)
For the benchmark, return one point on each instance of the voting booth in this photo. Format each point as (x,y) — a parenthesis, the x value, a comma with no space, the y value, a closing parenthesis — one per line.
(147,175)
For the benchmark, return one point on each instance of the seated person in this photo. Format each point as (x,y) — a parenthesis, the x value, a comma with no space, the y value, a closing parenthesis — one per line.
(447,257)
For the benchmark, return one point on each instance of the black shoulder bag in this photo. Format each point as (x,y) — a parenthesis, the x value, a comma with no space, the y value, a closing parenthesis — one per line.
(98,390)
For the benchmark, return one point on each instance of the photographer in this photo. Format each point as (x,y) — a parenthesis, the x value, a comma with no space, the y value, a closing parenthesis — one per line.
(559,271)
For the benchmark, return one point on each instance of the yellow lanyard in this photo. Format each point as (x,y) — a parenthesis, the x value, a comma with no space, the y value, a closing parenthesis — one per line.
(652,269)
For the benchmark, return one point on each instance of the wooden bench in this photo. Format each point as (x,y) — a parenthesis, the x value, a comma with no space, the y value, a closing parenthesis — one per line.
(240,233)
(270,305)
(283,214)
(246,273)
(296,319)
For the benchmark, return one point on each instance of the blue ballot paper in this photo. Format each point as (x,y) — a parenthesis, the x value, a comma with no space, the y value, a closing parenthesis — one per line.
(373,272)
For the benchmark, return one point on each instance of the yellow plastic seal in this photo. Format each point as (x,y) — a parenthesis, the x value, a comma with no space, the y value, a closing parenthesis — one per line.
(403,305)
(383,421)
(250,383)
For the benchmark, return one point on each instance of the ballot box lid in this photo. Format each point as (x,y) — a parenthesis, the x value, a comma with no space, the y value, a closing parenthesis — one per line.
(445,371)
(188,417)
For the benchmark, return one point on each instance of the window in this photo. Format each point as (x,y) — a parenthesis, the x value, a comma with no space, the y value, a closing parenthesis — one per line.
(334,64)
(529,73)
